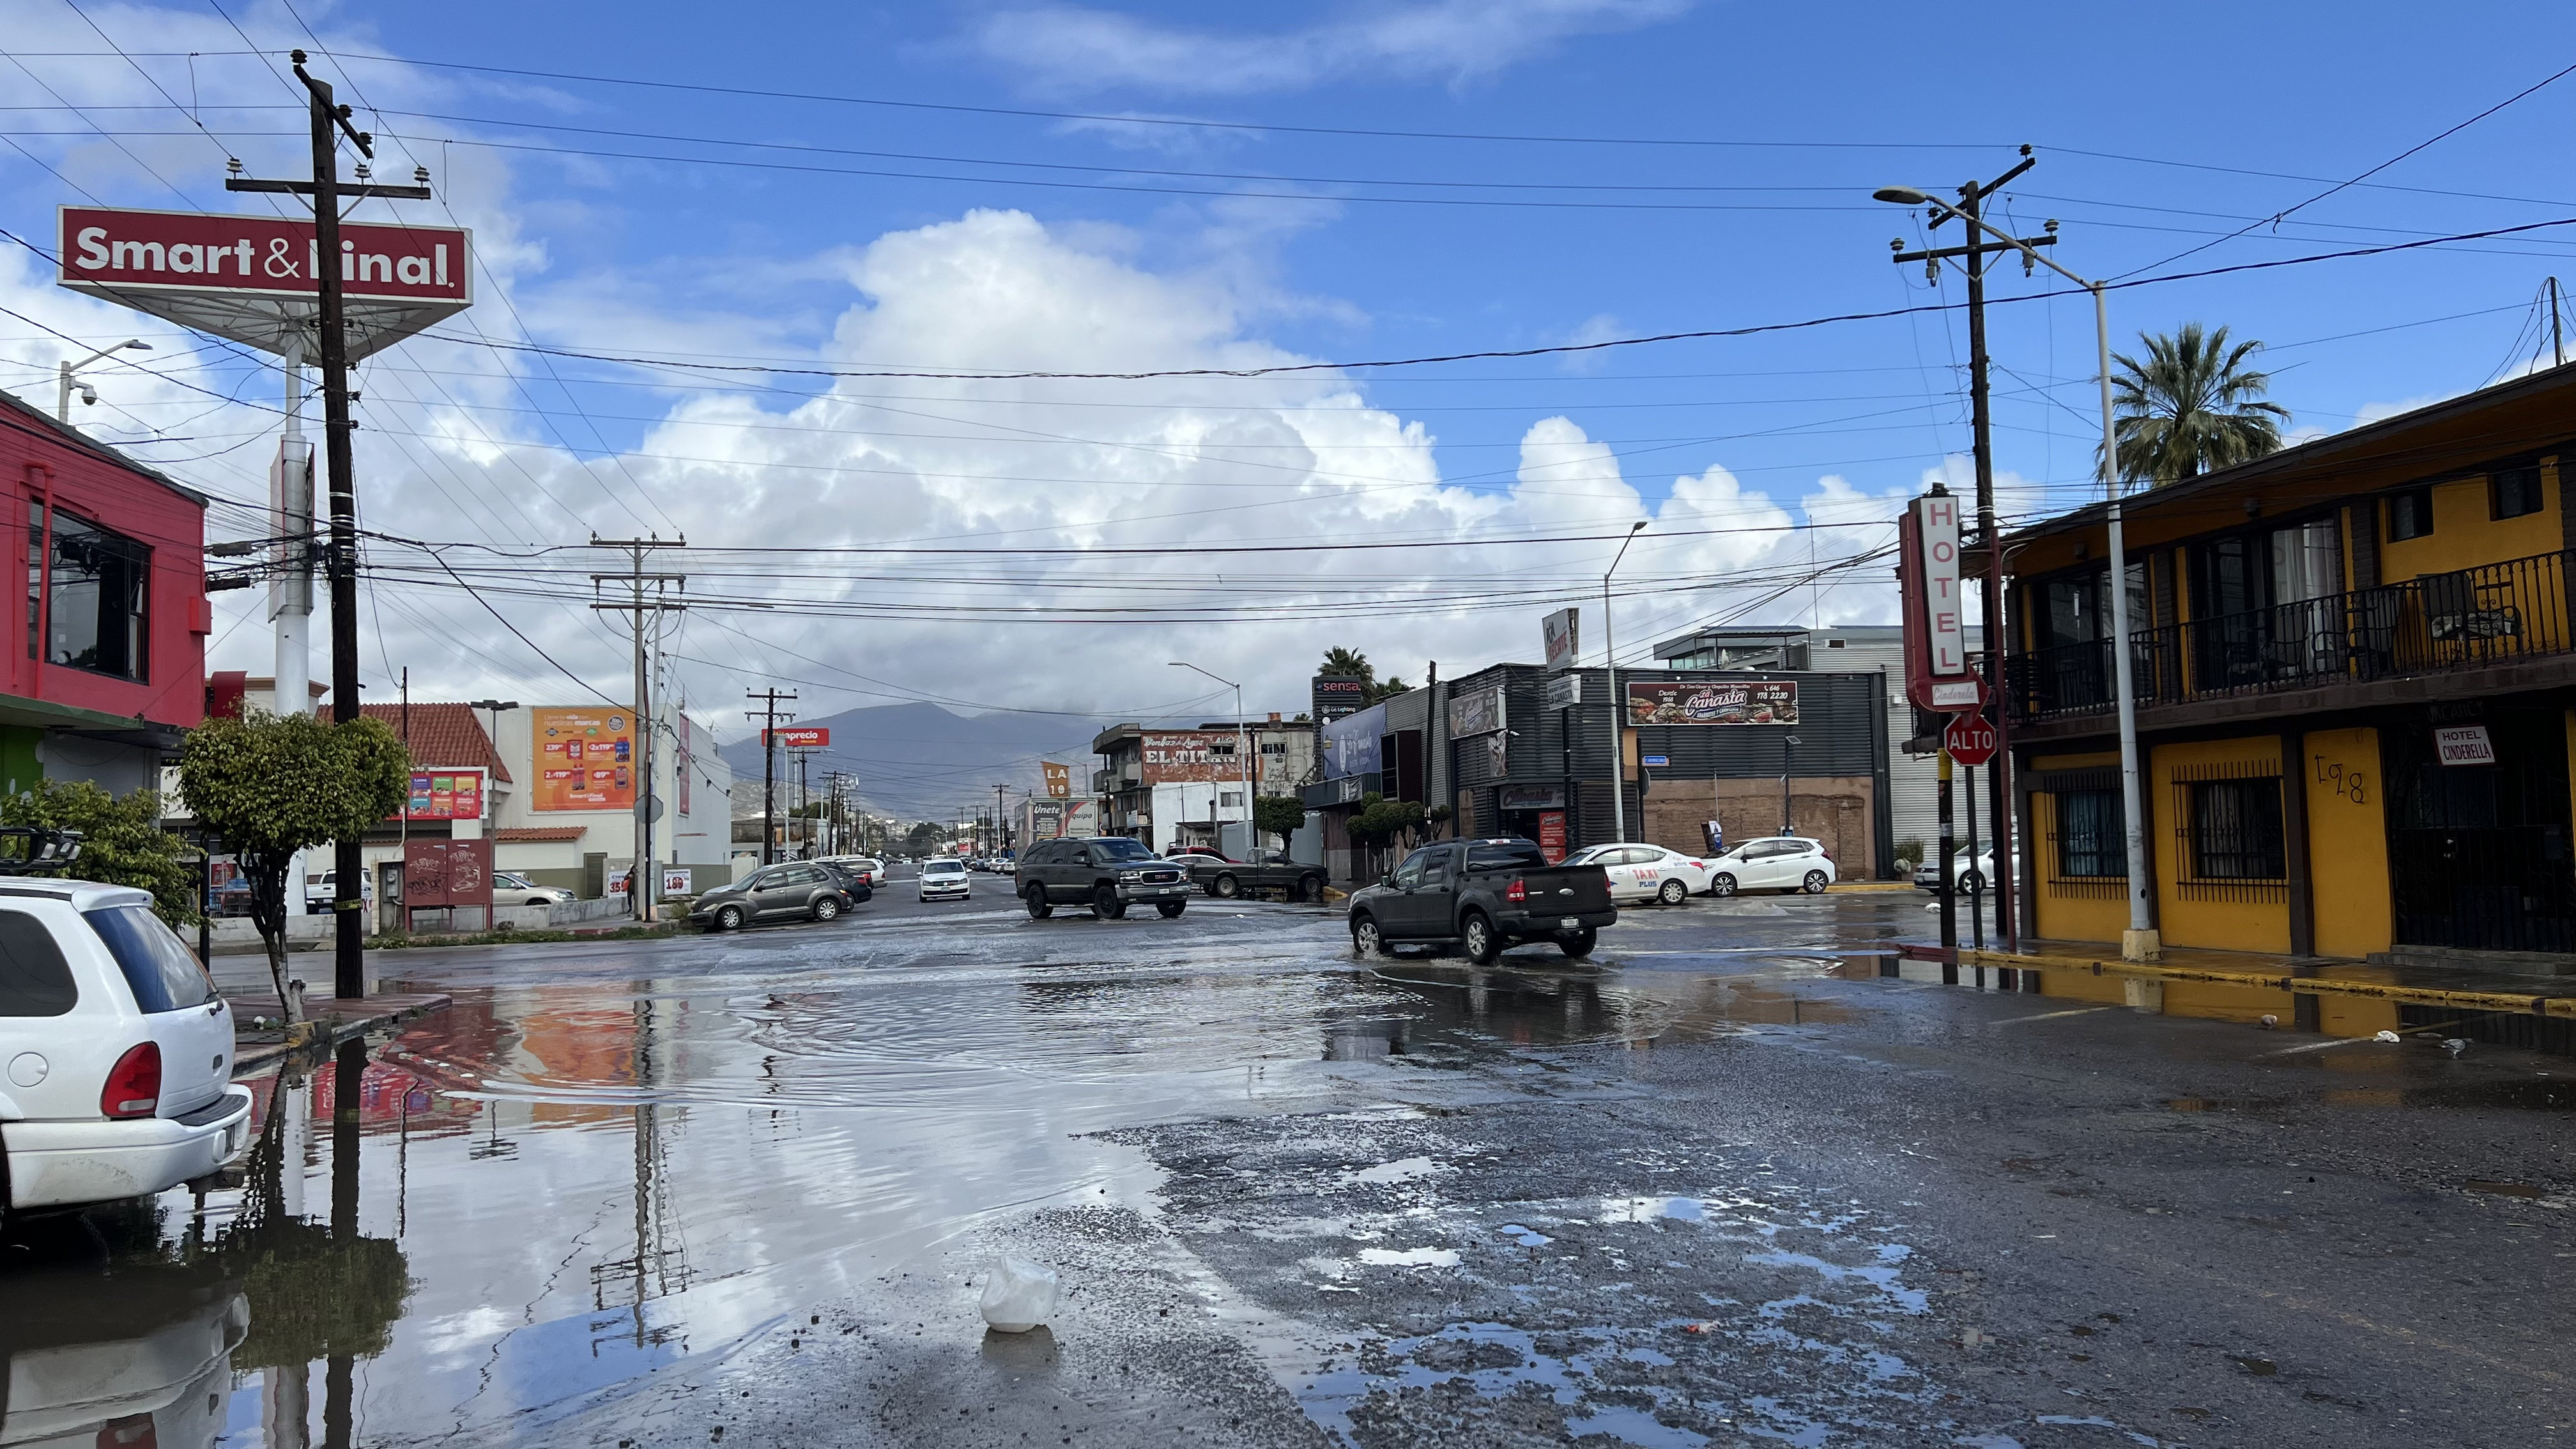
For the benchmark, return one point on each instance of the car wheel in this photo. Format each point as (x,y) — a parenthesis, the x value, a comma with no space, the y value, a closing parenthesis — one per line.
(1310,888)
(729,918)
(1039,910)
(1365,939)
(1171,909)
(1721,884)
(1578,944)
(827,908)
(1816,882)
(1478,939)
(1972,883)
(1226,887)
(1671,892)
(1106,905)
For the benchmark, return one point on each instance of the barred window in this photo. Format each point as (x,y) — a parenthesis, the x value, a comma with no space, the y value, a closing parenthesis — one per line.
(2092,834)
(2236,830)
(2516,491)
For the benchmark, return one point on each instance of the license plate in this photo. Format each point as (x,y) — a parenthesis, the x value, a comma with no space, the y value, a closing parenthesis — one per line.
(1570,923)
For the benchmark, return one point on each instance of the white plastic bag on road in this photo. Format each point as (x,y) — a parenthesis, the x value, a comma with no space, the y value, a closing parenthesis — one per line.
(1018,1295)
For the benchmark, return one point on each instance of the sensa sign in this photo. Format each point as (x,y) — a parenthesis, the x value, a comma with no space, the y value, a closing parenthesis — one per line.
(121,249)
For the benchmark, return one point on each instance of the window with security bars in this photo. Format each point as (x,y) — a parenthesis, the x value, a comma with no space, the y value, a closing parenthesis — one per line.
(2092,835)
(2236,832)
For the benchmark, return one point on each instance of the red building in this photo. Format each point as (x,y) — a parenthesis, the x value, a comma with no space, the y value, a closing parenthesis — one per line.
(114,615)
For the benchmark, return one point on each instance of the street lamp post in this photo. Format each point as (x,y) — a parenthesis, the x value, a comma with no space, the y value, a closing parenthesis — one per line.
(1610,687)
(1242,766)
(2140,942)
(1788,746)
(64,384)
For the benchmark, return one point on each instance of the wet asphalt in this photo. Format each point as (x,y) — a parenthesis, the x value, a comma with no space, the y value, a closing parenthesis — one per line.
(1727,1184)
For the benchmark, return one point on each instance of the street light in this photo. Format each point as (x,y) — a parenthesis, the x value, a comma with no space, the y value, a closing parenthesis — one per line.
(2140,942)
(1610,667)
(1788,743)
(1242,766)
(63,390)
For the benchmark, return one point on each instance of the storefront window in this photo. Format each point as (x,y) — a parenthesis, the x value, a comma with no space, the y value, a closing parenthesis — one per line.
(87,609)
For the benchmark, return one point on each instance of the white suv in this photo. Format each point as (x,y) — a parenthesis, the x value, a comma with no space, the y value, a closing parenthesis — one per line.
(115,1052)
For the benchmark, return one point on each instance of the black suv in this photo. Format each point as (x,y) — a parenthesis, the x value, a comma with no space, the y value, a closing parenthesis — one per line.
(803,890)
(1108,873)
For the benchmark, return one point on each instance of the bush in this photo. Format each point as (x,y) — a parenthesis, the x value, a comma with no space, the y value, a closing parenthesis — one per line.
(122,842)
(1909,852)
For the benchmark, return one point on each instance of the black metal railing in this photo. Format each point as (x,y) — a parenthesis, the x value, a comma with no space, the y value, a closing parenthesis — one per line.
(2492,614)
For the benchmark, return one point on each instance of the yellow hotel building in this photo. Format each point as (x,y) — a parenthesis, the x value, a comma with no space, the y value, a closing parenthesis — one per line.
(2355,669)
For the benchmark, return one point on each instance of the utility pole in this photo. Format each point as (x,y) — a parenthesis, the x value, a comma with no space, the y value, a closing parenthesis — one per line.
(2557,342)
(329,122)
(769,767)
(640,878)
(1972,255)
(997,818)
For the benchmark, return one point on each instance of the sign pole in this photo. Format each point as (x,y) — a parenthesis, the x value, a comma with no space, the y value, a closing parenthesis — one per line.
(1949,905)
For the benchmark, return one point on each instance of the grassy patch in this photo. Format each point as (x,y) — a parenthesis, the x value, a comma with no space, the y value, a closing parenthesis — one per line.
(400,941)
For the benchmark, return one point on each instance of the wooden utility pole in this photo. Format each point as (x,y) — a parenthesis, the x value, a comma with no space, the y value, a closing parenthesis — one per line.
(329,122)
(641,881)
(769,767)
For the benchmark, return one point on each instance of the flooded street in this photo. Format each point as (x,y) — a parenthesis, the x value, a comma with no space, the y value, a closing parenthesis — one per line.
(1736,1181)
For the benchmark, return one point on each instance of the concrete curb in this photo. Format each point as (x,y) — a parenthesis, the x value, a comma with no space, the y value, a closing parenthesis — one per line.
(2535,1005)
(328,1029)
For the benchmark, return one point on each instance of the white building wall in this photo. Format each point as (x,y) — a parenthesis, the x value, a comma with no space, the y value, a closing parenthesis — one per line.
(1913,780)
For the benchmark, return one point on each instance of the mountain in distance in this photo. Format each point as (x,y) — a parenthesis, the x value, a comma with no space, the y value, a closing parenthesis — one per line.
(922,762)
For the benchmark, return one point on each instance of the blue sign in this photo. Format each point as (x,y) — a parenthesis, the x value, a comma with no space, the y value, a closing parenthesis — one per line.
(1351,744)
(1658,761)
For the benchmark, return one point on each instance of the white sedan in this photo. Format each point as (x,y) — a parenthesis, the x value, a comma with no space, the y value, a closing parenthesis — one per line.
(1773,863)
(1646,872)
(115,1052)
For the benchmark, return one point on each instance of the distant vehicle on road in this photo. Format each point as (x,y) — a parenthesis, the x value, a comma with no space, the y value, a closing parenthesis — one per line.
(799,890)
(1274,871)
(1969,872)
(944,878)
(1108,873)
(119,1051)
(517,890)
(866,867)
(1640,872)
(1773,863)
(1486,895)
(1191,854)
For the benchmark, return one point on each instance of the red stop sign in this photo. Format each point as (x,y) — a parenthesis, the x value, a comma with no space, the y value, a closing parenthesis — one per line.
(1970,738)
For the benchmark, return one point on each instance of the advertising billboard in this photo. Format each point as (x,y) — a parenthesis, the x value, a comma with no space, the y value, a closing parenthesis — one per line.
(1712,702)
(800,737)
(445,795)
(1351,744)
(1558,634)
(1193,757)
(1339,696)
(585,758)
(1477,712)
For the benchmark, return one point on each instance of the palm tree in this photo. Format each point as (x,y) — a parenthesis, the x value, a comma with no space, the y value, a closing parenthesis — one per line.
(1347,661)
(2192,407)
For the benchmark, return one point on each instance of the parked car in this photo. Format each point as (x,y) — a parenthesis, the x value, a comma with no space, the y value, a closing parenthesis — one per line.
(944,878)
(1108,873)
(1970,872)
(518,890)
(320,891)
(1640,872)
(1221,877)
(798,890)
(867,867)
(1192,854)
(1773,863)
(119,1050)
(853,885)
(1486,895)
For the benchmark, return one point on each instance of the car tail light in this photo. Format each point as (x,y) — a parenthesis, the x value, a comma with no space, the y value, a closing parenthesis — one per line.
(134,1084)
(1518,893)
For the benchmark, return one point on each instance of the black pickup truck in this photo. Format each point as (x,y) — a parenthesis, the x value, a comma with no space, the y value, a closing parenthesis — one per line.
(1219,876)
(1485,895)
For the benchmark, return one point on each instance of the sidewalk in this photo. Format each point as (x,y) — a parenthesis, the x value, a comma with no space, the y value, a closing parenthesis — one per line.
(2337,997)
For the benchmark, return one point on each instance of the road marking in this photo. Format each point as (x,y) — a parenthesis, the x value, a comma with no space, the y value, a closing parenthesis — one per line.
(2055,1015)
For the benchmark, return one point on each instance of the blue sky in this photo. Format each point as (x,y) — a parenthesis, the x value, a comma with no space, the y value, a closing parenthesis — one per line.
(1182,245)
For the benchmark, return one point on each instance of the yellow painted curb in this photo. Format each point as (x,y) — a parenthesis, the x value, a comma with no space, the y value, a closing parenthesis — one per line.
(2562,1006)
(1871,885)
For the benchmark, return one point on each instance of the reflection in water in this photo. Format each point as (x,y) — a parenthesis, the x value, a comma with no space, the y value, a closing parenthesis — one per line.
(118,1332)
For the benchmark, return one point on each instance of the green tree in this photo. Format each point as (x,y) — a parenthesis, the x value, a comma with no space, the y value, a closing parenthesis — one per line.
(122,842)
(273,785)
(1347,661)
(1279,815)
(924,838)
(2192,407)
